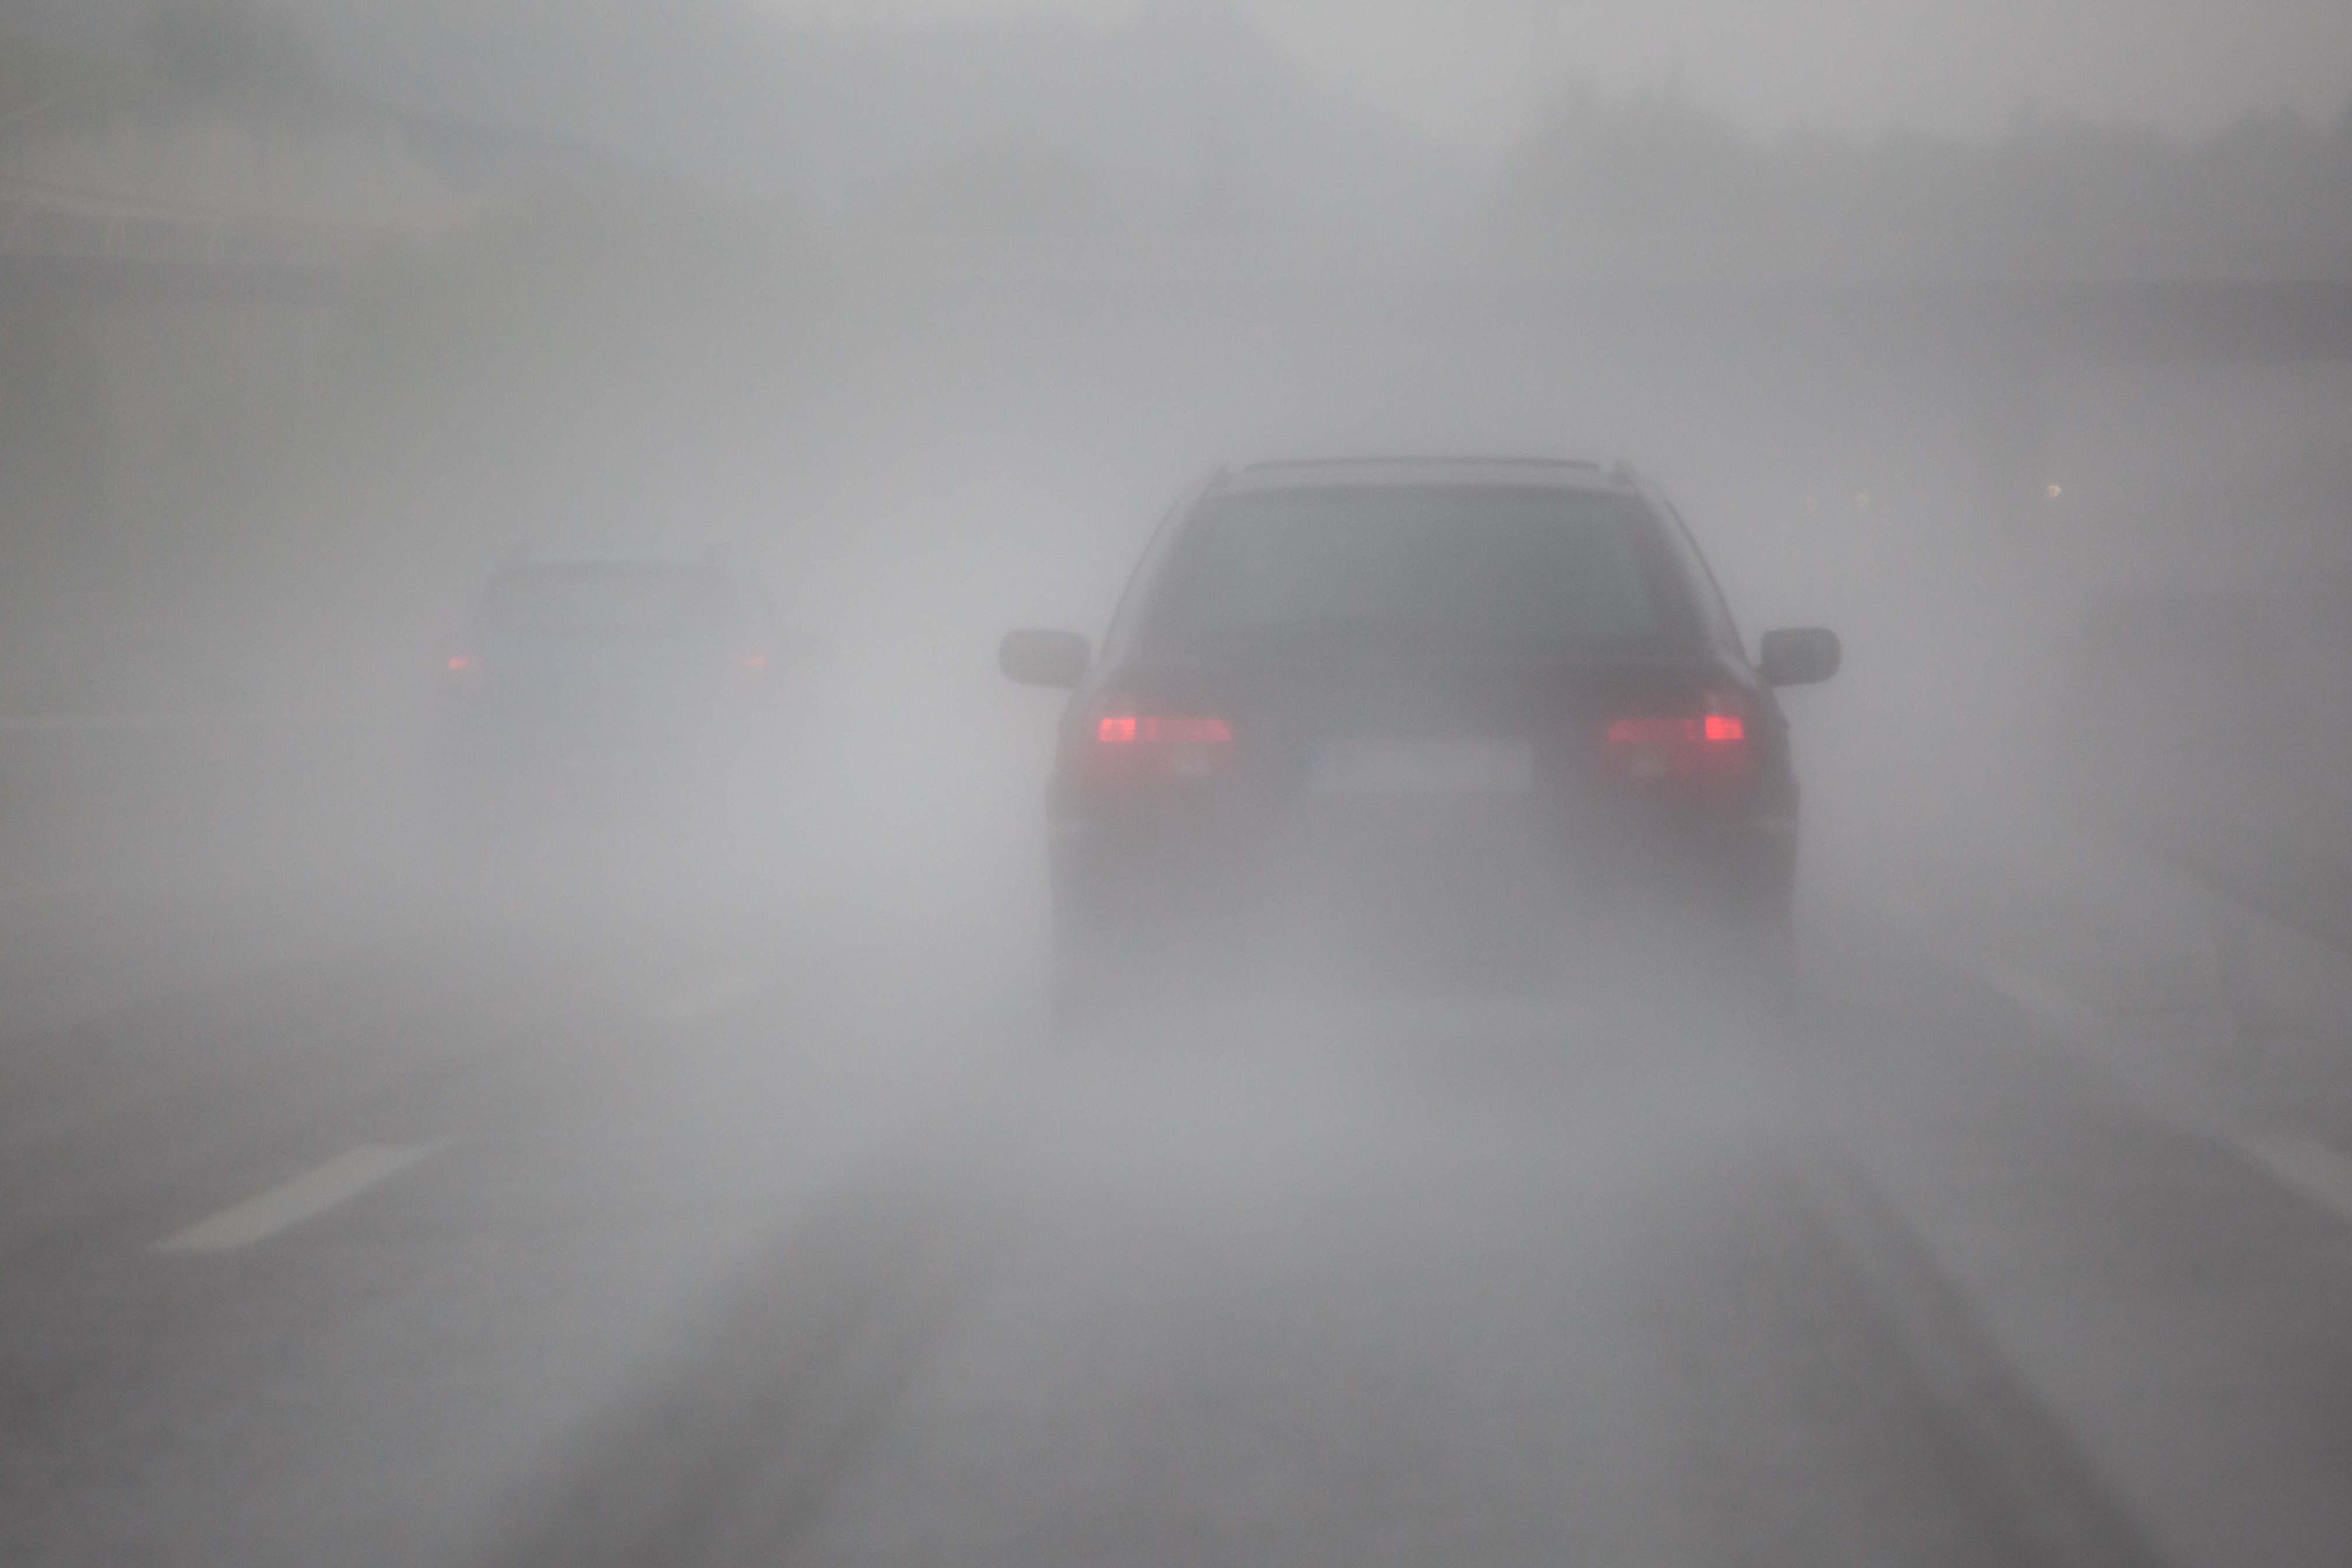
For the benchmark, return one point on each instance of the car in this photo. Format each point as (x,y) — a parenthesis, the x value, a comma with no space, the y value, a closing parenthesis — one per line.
(603,684)
(1470,721)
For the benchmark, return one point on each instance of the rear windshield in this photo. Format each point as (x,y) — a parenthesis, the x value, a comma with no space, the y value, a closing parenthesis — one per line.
(1520,567)
(608,599)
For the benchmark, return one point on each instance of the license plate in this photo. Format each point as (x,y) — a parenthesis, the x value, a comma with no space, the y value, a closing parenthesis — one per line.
(1448,764)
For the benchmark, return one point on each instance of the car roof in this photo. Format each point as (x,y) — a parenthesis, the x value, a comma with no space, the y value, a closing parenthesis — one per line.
(1515,473)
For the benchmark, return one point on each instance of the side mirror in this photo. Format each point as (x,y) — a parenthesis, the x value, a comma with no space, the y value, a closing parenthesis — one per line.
(1799,656)
(1044,659)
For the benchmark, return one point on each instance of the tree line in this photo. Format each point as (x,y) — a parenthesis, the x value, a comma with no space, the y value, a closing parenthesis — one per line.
(1657,182)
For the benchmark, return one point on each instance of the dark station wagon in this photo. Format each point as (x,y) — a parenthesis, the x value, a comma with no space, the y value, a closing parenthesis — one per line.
(1439,718)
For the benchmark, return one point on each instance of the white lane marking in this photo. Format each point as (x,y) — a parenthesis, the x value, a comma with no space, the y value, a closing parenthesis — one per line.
(38,893)
(136,723)
(2061,1012)
(707,999)
(2046,1004)
(2303,1165)
(1902,908)
(289,1204)
(2306,1165)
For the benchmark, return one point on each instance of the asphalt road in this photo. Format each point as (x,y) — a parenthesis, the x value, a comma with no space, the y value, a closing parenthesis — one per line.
(467,1228)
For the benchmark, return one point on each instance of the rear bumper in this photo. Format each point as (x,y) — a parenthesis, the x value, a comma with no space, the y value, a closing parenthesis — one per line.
(1391,871)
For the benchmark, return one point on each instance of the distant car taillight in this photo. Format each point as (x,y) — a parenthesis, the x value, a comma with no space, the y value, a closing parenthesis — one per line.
(460,670)
(1712,743)
(1138,746)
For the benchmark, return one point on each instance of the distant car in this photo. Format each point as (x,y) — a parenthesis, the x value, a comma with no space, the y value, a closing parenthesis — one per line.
(603,680)
(1471,717)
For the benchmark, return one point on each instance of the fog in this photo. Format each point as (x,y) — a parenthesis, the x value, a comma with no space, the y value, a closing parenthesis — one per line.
(764,1202)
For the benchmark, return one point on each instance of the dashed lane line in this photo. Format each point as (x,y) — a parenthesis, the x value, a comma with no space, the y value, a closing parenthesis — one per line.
(2306,1165)
(290,1203)
(2047,1004)
(2303,1165)
(708,999)
(1902,908)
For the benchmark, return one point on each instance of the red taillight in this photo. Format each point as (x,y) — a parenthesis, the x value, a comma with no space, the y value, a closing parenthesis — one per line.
(754,662)
(1131,745)
(1691,745)
(1126,730)
(461,667)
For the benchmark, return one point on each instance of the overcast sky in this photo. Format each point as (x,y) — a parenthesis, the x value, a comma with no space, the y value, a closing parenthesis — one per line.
(1473,70)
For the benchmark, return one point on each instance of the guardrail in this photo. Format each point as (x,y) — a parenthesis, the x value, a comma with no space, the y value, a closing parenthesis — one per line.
(45,219)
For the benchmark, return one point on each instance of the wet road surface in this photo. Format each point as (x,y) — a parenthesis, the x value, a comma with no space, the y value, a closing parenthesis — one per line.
(464,1231)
